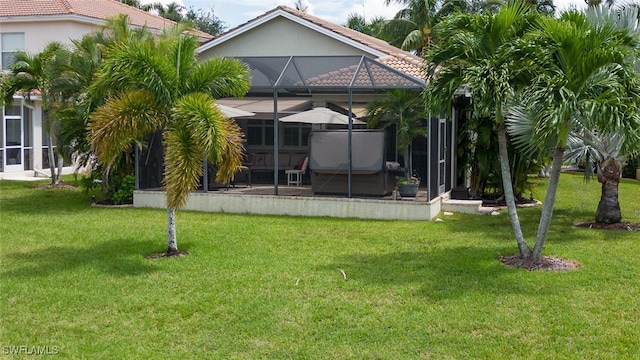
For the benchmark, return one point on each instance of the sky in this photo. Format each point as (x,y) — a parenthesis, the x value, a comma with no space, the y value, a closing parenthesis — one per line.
(237,12)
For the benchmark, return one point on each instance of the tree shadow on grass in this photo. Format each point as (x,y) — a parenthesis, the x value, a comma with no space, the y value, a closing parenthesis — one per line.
(45,201)
(479,227)
(118,257)
(441,273)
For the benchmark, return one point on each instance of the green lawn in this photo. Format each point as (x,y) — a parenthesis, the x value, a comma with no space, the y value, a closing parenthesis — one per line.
(75,277)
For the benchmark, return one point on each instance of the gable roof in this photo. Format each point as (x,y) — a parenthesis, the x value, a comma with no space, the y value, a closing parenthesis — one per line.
(379,49)
(87,10)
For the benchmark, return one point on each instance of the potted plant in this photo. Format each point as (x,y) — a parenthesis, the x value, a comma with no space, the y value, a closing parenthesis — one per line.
(408,187)
(405,110)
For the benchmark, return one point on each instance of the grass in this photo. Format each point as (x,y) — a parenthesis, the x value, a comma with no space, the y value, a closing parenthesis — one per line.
(75,277)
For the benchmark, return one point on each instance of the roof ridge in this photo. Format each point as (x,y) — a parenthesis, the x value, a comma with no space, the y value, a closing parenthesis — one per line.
(360,37)
(65,4)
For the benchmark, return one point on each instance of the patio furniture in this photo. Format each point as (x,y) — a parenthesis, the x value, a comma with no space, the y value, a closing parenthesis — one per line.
(371,175)
(294,176)
(244,172)
(263,161)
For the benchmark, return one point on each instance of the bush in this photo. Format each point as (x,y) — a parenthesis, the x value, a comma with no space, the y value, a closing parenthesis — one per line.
(124,192)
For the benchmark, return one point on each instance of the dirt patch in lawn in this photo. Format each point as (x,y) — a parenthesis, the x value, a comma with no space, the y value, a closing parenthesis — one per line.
(548,263)
(616,226)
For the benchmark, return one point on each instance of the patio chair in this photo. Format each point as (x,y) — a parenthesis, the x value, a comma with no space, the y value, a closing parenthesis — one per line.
(294,176)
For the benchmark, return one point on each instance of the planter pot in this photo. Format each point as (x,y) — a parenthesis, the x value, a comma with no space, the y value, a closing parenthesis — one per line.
(408,190)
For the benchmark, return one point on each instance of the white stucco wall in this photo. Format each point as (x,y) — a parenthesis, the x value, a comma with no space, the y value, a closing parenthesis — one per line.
(39,33)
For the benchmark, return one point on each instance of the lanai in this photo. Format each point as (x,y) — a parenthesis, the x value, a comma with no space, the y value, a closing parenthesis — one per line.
(348,75)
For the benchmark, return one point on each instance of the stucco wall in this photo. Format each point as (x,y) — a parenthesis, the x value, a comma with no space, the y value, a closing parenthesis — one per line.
(280,37)
(39,33)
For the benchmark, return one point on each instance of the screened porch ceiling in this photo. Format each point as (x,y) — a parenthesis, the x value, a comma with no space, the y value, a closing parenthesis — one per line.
(307,74)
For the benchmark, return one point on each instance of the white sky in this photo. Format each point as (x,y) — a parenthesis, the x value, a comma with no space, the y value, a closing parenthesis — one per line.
(236,12)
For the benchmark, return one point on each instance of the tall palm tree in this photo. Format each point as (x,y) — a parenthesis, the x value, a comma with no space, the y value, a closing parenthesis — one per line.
(411,29)
(404,110)
(474,53)
(172,11)
(359,23)
(39,73)
(586,80)
(159,85)
(76,78)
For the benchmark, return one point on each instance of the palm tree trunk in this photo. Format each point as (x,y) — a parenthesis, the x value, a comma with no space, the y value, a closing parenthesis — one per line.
(547,208)
(609,173)
(52,159)
(172,244)
(60,166)
(508,192)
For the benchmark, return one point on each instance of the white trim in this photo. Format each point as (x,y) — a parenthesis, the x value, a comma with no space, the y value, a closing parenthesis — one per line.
(301,21)
(48,18)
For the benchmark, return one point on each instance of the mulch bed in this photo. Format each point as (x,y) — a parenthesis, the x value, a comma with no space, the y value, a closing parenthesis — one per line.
(176,254)
(59,185)
(616,226)
(111,204)
(548,263)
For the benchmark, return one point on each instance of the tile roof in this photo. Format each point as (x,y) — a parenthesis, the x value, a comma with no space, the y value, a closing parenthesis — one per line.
(396,58)
(96,9)
(370,75)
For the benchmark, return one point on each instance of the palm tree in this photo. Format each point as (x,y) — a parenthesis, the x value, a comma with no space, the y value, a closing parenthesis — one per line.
(586,81)
(159,85)
(609,155)
(359,23)
(172,11)
(402,109)
(411,29)
(74,81)
(474,53)
(39,73)
(85,59)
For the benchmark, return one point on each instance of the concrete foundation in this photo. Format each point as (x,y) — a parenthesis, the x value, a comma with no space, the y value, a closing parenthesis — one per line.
(298,205)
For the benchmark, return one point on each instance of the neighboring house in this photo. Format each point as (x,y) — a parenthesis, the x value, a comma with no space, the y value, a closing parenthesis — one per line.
(285,36)
(28,25)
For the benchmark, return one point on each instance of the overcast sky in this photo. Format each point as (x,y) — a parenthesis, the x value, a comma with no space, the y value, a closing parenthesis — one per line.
(236,12)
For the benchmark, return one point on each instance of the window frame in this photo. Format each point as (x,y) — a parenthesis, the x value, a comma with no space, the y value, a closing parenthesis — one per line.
(5,50)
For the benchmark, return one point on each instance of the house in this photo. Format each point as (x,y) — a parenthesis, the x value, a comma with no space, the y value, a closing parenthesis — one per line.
(316,46)
(28,25)
(298,62)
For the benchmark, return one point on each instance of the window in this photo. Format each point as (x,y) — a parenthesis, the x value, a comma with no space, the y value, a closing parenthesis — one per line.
(260,132)
(10,43)
(296,135)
